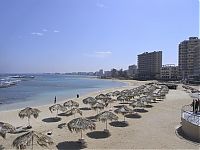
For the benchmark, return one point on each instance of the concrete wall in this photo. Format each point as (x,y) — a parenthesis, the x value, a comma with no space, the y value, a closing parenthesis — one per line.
(191,130)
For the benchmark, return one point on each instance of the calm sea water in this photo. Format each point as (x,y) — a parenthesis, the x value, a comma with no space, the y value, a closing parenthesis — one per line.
(43,88)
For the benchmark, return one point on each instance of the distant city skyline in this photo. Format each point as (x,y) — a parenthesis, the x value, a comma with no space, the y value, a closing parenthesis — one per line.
(87,35)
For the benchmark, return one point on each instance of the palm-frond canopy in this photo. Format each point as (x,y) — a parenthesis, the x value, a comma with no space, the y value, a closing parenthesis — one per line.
(101,96)
(6,128)
(123,110)
(28,112)
(122,98)
(140,103)
(89,100)
(24,140)
(109,94)
(116,93)
(71,103)
(106,115)
(74,111)
(98,105)
(57,107)
(80,124)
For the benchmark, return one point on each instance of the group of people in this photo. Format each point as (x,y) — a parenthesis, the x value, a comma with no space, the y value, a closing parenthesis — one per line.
(196,105)
(55,98)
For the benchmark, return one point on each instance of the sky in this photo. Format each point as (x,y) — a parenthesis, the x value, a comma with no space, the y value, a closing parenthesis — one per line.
(38,36)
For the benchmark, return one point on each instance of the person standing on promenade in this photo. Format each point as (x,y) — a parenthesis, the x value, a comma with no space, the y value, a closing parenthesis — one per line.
(196,105)
(193,105)
(55,100)
(199,104)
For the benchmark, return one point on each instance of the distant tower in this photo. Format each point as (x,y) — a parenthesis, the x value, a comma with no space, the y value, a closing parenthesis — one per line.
(189,58)
(149,65)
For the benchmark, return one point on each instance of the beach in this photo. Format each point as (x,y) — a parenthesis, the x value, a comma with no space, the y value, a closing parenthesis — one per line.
(154,130)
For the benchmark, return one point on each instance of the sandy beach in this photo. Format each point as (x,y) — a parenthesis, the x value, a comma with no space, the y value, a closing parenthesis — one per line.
(154,130)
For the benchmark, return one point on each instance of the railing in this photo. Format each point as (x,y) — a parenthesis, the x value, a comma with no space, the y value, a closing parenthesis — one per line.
(188,114)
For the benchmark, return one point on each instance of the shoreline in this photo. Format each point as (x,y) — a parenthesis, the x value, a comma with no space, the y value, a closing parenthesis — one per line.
(11,107)
(155,129)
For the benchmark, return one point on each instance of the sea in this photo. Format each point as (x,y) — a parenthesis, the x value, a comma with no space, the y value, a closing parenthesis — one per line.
(40,89)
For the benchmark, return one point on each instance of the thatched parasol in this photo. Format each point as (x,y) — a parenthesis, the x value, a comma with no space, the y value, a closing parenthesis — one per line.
(89,100)
(80,124)
(124,110)
(28,112)
(73,111)
(122,98)
(106,115)
(116,93)
(26,139)
(98,106)
(71,104)
(57,107)
(6,128)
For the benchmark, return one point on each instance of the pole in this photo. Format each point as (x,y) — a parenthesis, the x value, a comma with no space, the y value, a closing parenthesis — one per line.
(32,141)
(81,134)
(106,124)
(28,121)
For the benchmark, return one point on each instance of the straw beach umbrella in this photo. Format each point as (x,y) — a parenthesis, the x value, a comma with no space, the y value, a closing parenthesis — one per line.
(81,124)
(6,128)
(124,110)
(73,111)
(71,104)
(57,107)
(26,139)
(89,100)
(122,98)
(105,116)
(97,106)
(28,112)
(116,93)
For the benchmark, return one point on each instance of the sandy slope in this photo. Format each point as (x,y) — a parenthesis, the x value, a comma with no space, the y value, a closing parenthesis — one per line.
(155,128)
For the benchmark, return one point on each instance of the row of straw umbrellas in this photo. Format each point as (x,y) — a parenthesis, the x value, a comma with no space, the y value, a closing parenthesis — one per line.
(136,97)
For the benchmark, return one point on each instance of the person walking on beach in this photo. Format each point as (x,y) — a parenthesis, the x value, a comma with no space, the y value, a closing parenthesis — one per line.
(77,95)
(55,100)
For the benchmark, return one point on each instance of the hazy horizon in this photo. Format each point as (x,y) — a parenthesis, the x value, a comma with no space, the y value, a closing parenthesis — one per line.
(87,35)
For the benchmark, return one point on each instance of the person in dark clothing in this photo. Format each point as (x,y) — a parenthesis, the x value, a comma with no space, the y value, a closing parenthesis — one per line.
(193,105)
(196,105)
(77,95)
(199,104)
(55,100)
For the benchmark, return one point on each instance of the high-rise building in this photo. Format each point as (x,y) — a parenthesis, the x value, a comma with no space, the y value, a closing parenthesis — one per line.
(169,72)
(149,65)
(132,70)
(189,58)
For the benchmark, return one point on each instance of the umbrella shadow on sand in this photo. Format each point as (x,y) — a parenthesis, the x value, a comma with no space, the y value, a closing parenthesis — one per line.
(1,147)
(92,118)
(64,114)
(98,134)
(141,110)
(135,115)
(149,106)
(62,125)
(85,108)
(51,119)
(123,103)
(69,145)
(119,124)
(117,106)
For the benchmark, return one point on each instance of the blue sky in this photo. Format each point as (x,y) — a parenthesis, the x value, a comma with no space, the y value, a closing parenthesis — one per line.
(86,35)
